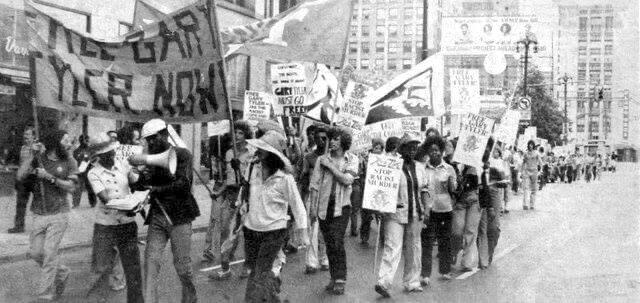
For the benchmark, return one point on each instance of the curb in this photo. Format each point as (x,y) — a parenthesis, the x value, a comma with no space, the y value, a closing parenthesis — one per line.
(78,246)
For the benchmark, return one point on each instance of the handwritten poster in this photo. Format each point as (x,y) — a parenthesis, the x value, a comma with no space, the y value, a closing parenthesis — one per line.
(354,111)
(473,137)
(465,90)
(218,128)
(257,105)
(382,183)
(288,82)
(507,131)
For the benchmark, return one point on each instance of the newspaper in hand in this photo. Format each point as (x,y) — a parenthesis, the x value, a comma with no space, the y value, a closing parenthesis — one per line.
(129,202)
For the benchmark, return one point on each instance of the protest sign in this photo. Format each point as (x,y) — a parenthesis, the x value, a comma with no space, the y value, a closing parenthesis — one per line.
(507,131)
(170,69)
(474,134)
(257,105)
(382,183)
(354,110)
(465,90)
(288,82)
(218,128)
(385,129)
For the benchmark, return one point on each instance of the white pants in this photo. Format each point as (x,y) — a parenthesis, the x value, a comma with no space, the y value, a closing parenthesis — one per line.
(401,240)
(316,250)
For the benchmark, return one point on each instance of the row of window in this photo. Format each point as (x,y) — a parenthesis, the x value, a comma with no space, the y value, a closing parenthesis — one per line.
(378,63)
(596,23)
(388,13)
(392,47)
(392,30)
(595,51)
(386,1)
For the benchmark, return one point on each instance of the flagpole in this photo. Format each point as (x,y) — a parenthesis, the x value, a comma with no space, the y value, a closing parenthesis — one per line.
(36,127)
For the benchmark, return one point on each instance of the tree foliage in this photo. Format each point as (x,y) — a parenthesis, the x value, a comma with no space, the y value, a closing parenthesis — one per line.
(545,112)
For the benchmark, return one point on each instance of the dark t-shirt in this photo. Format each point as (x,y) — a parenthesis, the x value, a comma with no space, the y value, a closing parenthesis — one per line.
(55,197)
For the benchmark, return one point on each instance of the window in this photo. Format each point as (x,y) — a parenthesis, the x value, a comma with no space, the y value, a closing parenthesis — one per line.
(393,13)
(408,30)
(408,14)
(582,65)
(596,36)
(379,30)
(379,63)
(607,80)
(379,47)
(354,31)
(364,64)
(608,66)
(580,128)
(365,31)
(582,50)
(595,51)
(608,23)
(582,37)
(365,47)
(393,30)
(582,75)
(353,47)
(353,62)
(581,95)
(594,66)
(583,23)
(419,45)
(393,47)
(608,49)
(406,63)
(419,30)
(366,13)
(406,47)
(381,14)
(391,64)
(593,126)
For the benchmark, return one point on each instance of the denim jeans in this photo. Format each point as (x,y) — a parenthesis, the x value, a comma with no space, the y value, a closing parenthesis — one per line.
(438,227)
(401,240)
(23,192)
(261,249)
(125,238)
(466,218)
(160,231)
(333,230)
(488,235)
(44,241)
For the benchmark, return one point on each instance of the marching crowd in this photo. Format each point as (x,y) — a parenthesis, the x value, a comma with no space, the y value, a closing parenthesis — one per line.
(281,194)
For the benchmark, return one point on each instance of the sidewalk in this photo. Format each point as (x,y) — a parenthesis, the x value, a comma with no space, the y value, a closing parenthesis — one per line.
(14,247)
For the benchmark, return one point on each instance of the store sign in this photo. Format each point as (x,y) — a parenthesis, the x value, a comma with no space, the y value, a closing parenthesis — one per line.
(13,42)
(7,90)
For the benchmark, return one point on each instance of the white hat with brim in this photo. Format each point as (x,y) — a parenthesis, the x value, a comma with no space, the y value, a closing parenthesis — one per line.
(102,144)
(409,138)
(152,127)
(273,142)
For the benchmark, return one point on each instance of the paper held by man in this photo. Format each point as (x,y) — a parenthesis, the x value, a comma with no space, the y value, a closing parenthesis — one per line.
(129,202)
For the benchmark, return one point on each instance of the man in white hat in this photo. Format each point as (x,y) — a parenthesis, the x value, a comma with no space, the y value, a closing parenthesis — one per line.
(173,209)
(110,180)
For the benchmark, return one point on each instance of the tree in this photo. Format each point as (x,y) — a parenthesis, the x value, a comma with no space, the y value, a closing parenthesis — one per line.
(545,112)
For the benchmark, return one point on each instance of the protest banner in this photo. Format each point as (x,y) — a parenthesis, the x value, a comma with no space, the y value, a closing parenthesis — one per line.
(382,183)
(507,131)
(416,92)
(257,105)
(288,83)
(170,69)
(530,133)
(354,110)
(385,129)
(218,128)
(474,135)
(465,90)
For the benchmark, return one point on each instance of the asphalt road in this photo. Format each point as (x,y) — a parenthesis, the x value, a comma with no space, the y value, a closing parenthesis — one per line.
(581,244)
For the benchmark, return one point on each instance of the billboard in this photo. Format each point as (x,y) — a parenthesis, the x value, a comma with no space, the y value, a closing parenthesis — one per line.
(478,35)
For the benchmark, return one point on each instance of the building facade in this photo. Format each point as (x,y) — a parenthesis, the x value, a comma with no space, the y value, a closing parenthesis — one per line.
(598,48)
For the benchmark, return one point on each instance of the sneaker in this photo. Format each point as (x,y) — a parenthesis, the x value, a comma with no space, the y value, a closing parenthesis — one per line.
(310,270)
(383,291)
(338,288)
(524,207)
(414,289)
(324,267)
(208,256)
(446,277)
(221,275)
(244,273)
(425,281)
(16,230)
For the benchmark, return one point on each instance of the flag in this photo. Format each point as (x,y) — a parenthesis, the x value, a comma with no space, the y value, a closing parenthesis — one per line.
(416,92)
(324,98)
(146,12)
(313,31)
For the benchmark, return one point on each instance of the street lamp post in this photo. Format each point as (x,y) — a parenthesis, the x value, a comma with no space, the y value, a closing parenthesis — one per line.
(564,80)
(528,41)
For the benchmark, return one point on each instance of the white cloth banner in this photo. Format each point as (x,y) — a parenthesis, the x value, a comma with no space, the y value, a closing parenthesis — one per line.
(218,128)
(507,131)
(474,134)
(465,90)
(382,183)
(385,129)
(257,105)
(354,110)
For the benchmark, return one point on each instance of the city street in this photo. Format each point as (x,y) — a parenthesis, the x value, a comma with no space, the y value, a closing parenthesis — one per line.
(581,244)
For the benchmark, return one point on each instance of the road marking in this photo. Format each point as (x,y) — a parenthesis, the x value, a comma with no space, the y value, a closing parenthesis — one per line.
(218,266)
(496,257)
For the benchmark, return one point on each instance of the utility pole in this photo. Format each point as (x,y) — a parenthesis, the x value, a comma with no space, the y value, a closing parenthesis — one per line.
(564,80)
(425,29)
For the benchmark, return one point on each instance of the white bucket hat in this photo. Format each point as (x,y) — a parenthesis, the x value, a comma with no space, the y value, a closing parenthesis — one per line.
(101,144)
(152,127)
(273,142)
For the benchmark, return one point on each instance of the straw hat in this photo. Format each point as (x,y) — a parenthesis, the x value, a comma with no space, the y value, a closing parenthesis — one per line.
(273,142)
(101,144)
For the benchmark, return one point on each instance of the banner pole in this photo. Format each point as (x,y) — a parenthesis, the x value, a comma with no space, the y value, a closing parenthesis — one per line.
(36,124)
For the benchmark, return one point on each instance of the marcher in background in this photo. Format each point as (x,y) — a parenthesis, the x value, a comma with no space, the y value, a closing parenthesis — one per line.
(357,189)
(57,177)
(113,228)
(494,182)
(516,166)
(377,147)
(330,202)
(316,254)
(81,154)
(403,227)
(310,145)
(506,156)
(442,182)
(173,209)
(235,164)
(24,179)
(530,165)
(466,217)
(272,191)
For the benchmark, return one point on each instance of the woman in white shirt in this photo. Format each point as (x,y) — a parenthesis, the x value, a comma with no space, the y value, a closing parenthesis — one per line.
(268,194)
